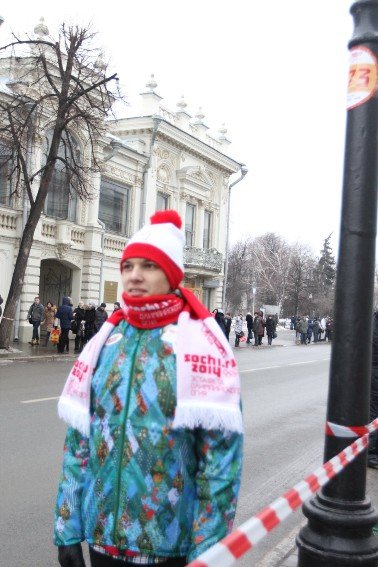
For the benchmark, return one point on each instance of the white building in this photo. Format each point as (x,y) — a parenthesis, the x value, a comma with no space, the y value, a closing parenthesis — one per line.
(156,159)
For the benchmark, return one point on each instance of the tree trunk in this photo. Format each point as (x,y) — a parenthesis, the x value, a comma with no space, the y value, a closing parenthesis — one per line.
(15,289)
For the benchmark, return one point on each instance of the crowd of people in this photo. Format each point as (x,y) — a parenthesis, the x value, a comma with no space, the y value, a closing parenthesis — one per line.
(312,329)
(257,326)
(84,321)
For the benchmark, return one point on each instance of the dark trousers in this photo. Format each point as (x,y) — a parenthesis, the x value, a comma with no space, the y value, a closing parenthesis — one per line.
(101,560)
(79,341)
(63,340)
(36,325)
(255,334)
(249,336)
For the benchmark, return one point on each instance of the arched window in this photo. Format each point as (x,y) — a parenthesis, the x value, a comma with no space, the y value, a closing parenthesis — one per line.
(5,170)
(61,200)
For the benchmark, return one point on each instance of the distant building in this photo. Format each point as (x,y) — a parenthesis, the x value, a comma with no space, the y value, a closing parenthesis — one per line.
(156,159)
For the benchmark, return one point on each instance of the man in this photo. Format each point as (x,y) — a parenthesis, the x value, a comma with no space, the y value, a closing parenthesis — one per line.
(249,321)
(227,324)
(117,306)
(152,461)
(36,315)
(101,316)
(65,316)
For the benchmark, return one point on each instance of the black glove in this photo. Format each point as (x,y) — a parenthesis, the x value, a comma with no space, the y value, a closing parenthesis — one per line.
(71,555)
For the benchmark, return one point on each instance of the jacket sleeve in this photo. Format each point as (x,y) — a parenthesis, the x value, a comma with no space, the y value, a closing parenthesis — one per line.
(68,527)
(218,483)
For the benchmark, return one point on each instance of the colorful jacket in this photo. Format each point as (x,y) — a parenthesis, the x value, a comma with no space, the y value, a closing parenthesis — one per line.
(136,483)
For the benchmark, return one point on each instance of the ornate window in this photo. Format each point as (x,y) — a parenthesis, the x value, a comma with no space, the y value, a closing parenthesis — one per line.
(114,206)
(162,201)
(207,223)
(61,200)
(189,224)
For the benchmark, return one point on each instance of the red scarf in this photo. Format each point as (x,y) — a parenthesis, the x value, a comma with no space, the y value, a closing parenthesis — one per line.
(152,311)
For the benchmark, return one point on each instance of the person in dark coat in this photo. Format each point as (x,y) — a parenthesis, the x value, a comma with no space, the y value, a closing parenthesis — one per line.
(101,316)
(315,329)
(36,316)
(227,325)
(89,321)
(219,317)
(270,326)
(249,321)
(373,438)
(79,316)
(65,316)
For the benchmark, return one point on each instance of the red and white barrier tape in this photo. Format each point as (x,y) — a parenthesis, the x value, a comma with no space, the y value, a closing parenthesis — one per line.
(246,536)
(333,429)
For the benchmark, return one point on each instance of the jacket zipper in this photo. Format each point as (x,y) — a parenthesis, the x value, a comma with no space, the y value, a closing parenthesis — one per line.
(122,440)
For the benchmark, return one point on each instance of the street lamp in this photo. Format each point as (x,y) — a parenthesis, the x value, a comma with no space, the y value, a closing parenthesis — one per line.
(340,517)
(243,173)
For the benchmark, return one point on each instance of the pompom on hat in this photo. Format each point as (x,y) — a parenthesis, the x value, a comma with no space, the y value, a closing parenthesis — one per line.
(162,242)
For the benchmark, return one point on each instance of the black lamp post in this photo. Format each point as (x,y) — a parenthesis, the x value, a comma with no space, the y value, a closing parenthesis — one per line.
(340,517)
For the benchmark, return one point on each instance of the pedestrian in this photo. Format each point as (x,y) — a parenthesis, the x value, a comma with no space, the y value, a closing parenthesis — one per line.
(77,327)
(36,316)
(249,321)
(258,327)
(101,316)
(89,321)
(270,326)
(151,469)
(65,316)
(323,322)
(219,317)
(49,318)
(315,329)
(301,328)
(117,306)
(310,329)
(328,329)
(373,438)
(239,333)
(227,325)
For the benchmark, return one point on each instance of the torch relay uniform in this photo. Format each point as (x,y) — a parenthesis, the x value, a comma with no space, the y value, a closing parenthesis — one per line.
(155,472)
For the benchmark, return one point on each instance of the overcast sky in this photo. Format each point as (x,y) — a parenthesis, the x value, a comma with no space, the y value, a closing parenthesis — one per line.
(274,72)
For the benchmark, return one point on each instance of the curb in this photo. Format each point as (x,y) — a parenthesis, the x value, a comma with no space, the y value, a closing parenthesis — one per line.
(42,358)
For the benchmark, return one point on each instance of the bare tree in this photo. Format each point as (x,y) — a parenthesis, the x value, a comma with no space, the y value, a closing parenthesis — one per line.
(271,257)
(58,88)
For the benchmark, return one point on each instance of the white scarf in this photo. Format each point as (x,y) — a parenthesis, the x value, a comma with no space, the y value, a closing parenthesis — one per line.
(208,385)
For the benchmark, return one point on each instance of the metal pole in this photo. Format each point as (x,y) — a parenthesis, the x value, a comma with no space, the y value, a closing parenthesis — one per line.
(243,173)
(340,517)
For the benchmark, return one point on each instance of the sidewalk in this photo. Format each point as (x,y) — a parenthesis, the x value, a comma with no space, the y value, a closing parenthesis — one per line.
(25,352)
(291,558)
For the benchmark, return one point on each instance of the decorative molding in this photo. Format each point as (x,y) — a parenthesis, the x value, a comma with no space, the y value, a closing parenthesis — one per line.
(205,259)
(119,174)
(61,250)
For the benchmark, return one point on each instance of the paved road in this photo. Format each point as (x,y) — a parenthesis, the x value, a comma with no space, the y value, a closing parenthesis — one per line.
(284,397)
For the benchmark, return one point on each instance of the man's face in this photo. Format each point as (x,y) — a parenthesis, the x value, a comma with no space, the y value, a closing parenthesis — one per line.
(141,278)
(36,300)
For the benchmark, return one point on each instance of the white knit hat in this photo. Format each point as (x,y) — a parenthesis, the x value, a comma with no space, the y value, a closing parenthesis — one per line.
(162,242)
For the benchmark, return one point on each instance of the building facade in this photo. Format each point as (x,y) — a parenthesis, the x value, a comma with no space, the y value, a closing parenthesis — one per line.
(156,159)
